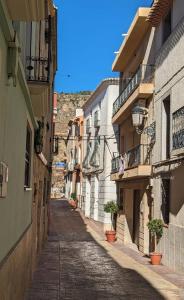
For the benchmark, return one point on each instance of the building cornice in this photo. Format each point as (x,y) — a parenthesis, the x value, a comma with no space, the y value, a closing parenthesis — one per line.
(136,32)
(102,86)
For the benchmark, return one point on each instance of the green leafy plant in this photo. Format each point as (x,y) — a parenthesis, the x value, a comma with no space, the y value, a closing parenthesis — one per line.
(73,196)
(155,227)
(112,208)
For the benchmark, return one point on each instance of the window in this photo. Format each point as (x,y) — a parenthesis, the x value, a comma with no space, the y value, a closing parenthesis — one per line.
(95,157)
(3,179)
(178,129)
(166,128)
(88,126)
(121,199)
(97,119)
(56,145)
(122,146)
(167,26)
(165,199)
(87,156)
(79,154)
(28,158)
(77,130)
(45,192)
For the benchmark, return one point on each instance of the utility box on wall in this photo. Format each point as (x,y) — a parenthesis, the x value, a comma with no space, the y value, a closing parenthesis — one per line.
(3,179)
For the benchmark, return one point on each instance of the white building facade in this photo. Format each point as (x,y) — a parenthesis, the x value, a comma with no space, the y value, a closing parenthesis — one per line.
(99,144)
(168,164)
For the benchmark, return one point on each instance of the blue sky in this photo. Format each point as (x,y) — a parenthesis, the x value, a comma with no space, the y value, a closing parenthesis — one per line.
(89,31)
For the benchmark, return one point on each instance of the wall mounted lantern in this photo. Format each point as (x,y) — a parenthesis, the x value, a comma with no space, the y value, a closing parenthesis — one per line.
(138,115)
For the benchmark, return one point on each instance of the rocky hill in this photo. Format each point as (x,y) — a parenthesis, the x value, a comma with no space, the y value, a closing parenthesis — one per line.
(66,109)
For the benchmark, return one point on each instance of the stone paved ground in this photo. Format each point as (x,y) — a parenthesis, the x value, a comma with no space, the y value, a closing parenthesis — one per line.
(74,266)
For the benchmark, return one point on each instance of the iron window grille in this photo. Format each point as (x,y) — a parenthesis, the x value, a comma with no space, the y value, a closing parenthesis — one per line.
(178,129)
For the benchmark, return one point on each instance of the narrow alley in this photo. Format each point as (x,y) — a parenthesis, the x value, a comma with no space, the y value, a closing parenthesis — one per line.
(73,265)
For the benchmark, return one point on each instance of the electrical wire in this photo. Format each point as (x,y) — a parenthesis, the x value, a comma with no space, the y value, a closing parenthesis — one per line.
(83,138)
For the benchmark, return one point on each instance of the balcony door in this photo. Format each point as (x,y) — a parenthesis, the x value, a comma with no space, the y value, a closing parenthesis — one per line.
(136,217)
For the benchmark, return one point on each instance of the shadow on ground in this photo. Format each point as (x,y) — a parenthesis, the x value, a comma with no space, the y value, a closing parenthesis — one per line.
(74,266)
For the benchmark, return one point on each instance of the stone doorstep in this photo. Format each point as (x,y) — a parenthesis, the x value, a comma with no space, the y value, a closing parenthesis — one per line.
(169,275)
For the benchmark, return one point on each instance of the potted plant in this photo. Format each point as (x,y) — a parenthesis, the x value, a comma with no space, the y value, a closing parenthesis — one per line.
(155,227)
(73,200)
(112,208)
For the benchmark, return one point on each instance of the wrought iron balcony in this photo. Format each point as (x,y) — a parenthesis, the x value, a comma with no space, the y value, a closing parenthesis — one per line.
(38,59)
(144,74)
(115,163)
(37,69)
(139,155)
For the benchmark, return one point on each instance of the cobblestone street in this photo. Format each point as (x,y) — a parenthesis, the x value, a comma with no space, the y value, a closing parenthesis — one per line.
(74,266)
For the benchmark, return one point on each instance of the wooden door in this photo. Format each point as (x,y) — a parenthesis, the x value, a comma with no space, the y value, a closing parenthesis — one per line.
(136,217)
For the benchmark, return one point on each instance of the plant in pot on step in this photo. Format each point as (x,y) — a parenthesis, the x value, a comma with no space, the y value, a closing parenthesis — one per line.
(155,227)
(73,200)
(112,208)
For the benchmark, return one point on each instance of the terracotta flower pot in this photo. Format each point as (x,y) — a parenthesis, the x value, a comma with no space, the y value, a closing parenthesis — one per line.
(110,235)
(155,258)
(73,203)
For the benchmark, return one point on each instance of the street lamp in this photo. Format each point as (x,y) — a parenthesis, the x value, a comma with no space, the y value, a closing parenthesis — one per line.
(138,115)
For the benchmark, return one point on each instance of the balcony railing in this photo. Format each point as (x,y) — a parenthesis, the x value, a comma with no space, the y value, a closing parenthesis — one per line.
(38,59)
(144,74)
(139,155)
(37,69)
(115,164)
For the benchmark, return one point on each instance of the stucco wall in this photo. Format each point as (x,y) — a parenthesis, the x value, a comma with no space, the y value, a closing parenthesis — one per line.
(15,209)
(106,188)
(169,80)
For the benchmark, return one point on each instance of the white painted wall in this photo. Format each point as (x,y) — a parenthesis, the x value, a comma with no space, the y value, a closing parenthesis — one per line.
(101,189)
(169,80)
